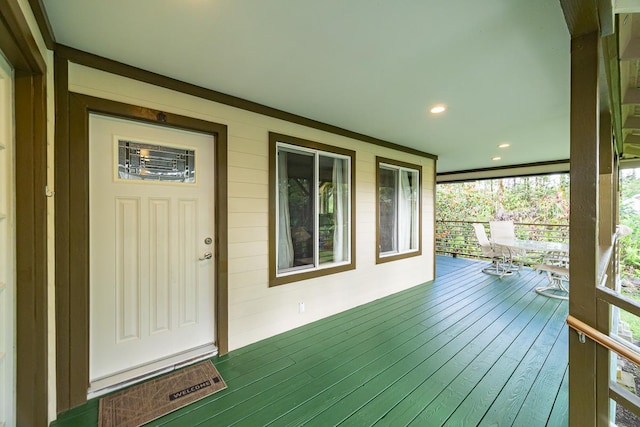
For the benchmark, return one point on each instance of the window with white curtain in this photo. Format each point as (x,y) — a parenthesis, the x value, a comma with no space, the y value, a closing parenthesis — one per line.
(313,209)
(399,227)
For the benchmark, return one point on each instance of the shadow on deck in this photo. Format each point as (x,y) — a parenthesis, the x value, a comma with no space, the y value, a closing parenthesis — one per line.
(466,349)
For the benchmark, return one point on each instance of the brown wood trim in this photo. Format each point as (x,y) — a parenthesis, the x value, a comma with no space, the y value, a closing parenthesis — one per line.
(17,42)
(507,167)
(31,251)
(62,226)
(606,236)
(119,68)
(379,259)
(43,23)
(222,237)
(274,138)
(72,212)
(19,47)
(433,241)
(78,171)
(607,222)
(581,16)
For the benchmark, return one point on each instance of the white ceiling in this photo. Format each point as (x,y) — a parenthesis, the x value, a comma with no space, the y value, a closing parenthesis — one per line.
(370,66)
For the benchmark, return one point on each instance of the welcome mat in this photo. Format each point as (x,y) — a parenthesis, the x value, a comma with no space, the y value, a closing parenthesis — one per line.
(147,401)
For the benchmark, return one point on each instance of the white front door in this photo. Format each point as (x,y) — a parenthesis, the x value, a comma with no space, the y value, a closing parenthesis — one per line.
(7,249)
(151,244)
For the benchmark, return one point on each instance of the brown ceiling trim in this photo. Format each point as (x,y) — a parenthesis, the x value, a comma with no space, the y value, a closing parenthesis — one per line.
(43,23)
(503,171)
(119,68)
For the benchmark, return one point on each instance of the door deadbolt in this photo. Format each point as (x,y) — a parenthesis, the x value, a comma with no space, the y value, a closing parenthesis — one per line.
(208,241)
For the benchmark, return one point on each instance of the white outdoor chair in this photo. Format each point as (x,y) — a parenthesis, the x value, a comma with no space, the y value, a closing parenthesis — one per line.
(506,231)
(499,263)
(502,230)
(556,267)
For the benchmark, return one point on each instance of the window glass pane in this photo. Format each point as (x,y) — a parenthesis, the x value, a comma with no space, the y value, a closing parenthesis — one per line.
(295,210)
(399,209)
(312,222)
(408,217)
(388,209)
(333,213)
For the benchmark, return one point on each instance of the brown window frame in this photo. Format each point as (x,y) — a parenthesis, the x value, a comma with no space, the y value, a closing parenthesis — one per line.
(274,279)
(402,255)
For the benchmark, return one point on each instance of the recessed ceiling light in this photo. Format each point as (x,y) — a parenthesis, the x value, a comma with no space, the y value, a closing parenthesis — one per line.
(504,145)
(496,158)
(437,109)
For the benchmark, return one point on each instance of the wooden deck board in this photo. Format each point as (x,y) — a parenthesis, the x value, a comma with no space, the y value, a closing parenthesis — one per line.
(446,264)
(539,400)
(511,398)
(470,398)
(466,349)
(436,400)
(330,371)
(470,409)
(560,413)
(401,377)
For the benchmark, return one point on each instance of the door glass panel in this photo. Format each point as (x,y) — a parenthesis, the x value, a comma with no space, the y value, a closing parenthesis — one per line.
(143,161)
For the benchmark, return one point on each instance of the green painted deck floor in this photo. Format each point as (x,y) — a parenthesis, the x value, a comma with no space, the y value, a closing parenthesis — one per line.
(466,349)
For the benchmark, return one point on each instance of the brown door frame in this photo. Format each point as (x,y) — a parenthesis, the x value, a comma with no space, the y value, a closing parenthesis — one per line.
(20,49)
(72,227)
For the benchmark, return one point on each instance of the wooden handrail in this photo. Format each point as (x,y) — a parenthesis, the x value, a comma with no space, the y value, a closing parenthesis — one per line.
(603,339)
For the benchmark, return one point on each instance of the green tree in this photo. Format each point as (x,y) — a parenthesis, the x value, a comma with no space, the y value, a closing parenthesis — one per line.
(535,199)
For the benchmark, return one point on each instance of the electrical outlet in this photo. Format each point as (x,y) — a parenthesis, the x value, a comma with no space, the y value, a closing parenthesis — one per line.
(300,307)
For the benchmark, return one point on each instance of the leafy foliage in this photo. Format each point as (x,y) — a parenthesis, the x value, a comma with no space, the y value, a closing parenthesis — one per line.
(539,203)
(630,216)
(535,199)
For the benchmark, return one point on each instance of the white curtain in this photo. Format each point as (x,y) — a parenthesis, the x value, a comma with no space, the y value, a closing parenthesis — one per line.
(405,214)
(415,215)
(285,244)
(340,211)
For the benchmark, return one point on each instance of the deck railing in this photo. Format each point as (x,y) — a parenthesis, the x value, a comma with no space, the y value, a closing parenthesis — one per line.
(457,238)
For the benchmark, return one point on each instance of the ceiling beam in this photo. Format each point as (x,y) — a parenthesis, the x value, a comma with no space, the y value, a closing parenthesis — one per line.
(581,16)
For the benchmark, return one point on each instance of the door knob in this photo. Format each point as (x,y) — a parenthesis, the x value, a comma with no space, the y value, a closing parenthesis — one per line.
(206,256)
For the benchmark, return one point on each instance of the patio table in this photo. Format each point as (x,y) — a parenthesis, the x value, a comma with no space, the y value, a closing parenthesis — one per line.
(533,245)
(557,272)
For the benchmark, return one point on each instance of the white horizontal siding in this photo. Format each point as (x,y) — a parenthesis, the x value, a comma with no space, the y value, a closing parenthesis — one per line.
(248,234)
(255,310)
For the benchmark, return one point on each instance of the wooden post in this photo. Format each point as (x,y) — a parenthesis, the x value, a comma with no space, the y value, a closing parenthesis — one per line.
(584,224)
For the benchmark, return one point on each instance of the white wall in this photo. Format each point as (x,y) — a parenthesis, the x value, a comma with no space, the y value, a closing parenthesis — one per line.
(255,310)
